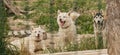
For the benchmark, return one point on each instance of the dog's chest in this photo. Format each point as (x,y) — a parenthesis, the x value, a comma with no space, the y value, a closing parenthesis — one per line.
(37,46)
(98,28)
(69,31)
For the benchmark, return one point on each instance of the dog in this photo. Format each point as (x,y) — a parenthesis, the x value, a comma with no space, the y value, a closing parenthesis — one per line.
(99,27)
(67,28)
(32,43)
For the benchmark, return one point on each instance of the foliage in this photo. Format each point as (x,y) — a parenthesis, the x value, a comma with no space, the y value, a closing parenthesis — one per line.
(84,44)
(84,24)
(84,21)
(4,49)
(43,16)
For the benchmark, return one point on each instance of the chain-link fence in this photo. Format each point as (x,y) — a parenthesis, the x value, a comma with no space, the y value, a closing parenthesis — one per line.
(44,13)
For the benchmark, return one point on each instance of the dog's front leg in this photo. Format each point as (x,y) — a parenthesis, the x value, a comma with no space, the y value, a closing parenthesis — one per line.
(31,49)
(96,40)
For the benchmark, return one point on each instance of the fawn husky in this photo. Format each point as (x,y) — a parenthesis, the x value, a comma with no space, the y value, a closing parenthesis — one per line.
(32,43)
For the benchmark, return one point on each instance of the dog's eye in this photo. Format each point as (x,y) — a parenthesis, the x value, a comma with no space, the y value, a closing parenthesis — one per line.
(96,17)
(64,16)
(59,16)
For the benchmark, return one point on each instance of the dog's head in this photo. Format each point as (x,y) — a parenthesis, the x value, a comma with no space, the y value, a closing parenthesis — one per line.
(98,17)
(65,19)
(39,34)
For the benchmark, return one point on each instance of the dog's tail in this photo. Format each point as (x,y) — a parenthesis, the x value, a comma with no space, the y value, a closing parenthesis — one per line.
(20,33)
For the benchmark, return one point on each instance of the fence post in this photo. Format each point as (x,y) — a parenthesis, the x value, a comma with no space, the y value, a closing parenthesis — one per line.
(3,20)
(51,23)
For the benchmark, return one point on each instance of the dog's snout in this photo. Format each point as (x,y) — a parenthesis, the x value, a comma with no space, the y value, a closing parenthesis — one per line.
(60,19)
(38,34)
(98,21)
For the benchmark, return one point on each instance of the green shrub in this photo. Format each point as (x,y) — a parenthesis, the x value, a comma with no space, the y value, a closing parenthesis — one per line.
(4,49)
(84,44)
(84,22)
(44,15)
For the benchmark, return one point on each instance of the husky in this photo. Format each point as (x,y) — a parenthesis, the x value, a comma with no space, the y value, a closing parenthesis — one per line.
(99,26)
(32,43)
(67,28)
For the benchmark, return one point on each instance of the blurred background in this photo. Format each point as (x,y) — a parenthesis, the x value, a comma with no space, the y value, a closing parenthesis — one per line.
(39,12)
(22,14)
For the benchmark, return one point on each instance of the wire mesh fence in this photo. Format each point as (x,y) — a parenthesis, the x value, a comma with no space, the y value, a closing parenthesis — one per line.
(44,13)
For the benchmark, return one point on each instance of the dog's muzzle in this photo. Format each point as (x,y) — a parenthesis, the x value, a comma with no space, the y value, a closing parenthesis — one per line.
(62,22)
(100,23)
(38,38)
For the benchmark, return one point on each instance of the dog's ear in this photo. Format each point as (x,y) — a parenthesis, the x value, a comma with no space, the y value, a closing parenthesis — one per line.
(70,12)
(74,15)
(44,35)
(32,27)
(101,11)
(58,11)
(39,27)
(104,14)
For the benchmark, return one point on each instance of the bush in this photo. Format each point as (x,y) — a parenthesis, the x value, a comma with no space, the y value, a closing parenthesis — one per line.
(4,49)
(84,22)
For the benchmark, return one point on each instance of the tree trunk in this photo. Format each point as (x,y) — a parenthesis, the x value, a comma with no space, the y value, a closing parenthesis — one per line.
(12,8)
(113,27)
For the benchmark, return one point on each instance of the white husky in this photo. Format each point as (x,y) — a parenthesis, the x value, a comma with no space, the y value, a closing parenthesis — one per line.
(67,28)
(33,42)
